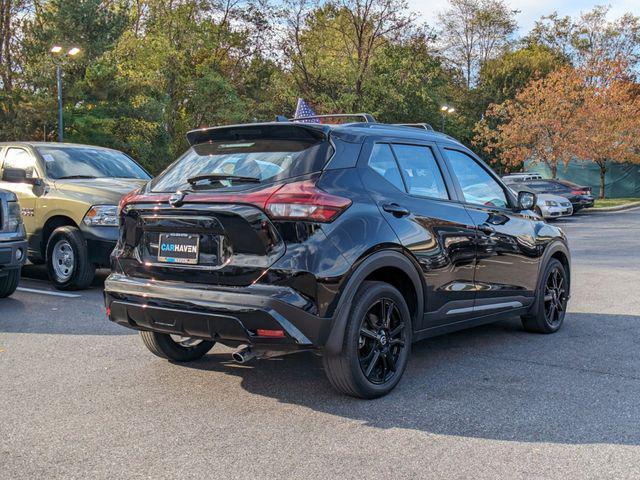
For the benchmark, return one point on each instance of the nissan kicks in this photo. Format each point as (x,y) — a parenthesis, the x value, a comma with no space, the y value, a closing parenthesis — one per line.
(352,241)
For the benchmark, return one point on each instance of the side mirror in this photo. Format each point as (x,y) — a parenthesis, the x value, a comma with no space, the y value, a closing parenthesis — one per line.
(18,175)
(526,200)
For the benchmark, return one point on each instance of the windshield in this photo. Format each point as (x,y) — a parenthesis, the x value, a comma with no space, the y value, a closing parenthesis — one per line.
(88,162)
(264,160)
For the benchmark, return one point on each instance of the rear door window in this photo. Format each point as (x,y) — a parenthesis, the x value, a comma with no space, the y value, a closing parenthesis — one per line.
(383,162)
(420,171)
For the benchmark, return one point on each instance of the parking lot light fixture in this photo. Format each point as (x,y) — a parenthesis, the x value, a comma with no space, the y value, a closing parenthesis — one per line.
(445,109)
(74,51)
(56,49)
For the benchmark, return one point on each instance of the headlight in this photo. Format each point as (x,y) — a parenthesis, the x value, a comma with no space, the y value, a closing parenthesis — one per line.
(550,203)
(102,216)
(14,219)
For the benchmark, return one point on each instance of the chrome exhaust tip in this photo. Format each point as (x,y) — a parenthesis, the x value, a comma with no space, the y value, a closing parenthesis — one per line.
(243,354)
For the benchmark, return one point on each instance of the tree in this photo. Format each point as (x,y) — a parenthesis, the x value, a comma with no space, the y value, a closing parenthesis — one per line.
(503,77)
(591,37)
(332,48)
(475,31)
(538,125)
(609,119)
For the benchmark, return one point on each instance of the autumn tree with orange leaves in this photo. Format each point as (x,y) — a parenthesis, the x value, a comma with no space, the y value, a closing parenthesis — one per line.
(538,125)
(608,122)
(590,114)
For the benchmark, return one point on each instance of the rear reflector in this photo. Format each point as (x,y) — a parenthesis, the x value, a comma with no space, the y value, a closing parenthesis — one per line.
(270,333)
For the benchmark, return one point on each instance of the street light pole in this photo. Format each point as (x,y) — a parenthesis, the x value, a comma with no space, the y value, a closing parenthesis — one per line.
(56,50)
(59,79)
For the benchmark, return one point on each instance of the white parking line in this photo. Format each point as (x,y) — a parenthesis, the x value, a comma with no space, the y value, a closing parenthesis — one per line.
(47,292)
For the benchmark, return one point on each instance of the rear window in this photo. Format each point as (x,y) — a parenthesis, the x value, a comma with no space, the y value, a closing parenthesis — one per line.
(268,160)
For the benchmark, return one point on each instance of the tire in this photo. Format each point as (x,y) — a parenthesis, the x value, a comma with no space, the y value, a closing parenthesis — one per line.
(68,259)
(345,371)
(9,283)
(548,312)
(164,346)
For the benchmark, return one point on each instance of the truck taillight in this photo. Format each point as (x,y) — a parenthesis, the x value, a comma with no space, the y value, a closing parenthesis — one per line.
(304,201)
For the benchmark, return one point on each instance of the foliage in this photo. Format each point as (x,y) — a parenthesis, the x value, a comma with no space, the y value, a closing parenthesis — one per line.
(591,113)
(475,31)
(538,125)
(150,70)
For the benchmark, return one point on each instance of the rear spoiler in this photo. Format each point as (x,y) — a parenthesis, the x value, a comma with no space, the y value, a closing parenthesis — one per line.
(258,131)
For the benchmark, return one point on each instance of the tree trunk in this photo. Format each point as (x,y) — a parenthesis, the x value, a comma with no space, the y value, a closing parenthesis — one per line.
(554,170)
(603,172)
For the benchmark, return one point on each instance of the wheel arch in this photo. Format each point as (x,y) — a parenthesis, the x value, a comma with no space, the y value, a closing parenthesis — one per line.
(50,226)
(390,266)
(560,251)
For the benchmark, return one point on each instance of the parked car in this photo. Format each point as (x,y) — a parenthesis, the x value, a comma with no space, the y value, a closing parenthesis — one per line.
(578,199)
(13,244)
(547,205)
(585,194)
(68,195)
(521,177)
(352,241)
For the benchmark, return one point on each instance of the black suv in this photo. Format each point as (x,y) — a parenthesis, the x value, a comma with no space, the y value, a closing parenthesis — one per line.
(349,240)
(13,243)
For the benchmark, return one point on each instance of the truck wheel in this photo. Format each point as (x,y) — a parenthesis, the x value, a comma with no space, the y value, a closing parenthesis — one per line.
(9,283)
(68,259)
(376,345)
(176,348)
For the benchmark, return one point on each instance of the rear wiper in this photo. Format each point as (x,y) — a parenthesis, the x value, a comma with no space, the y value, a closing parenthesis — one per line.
(68,177)
(219,177)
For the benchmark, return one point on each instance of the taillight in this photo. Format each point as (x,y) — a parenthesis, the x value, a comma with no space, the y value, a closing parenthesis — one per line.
(304,201)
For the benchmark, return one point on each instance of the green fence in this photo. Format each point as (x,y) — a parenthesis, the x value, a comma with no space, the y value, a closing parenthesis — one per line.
(622,179)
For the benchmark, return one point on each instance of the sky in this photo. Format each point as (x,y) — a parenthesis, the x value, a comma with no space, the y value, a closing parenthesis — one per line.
(531,10)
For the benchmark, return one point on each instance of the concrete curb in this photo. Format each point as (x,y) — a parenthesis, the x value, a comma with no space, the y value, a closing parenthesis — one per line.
(619,208)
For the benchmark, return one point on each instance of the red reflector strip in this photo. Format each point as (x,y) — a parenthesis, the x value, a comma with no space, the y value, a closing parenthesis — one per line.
(270,333)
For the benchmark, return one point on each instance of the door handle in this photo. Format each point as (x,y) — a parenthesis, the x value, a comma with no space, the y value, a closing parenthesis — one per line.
(396,209)
(485,228)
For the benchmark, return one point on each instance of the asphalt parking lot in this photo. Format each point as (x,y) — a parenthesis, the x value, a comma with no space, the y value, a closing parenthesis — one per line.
(82,398)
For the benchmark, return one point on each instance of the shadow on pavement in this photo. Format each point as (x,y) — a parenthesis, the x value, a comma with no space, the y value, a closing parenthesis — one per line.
(580,385)
(39,272)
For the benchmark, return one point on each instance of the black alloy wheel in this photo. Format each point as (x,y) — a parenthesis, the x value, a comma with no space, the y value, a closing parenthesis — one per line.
(381,341)
(555,296)
(548,312)
(376,344)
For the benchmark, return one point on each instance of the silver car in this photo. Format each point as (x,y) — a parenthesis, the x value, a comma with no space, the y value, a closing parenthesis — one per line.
(548,205)
(553,206)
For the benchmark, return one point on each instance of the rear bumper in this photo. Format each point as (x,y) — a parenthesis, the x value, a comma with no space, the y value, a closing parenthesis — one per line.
(12,255)
(231,316)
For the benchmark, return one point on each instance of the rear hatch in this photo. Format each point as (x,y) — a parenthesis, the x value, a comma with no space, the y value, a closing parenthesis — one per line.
(205,219)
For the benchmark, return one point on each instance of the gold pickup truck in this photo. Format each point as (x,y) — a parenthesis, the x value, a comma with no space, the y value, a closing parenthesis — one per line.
(68,196)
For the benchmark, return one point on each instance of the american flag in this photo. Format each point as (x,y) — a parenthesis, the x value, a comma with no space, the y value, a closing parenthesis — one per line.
(304,110)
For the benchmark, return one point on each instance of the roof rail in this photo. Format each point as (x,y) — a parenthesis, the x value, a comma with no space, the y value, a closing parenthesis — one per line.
(364,117)
(422,125)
